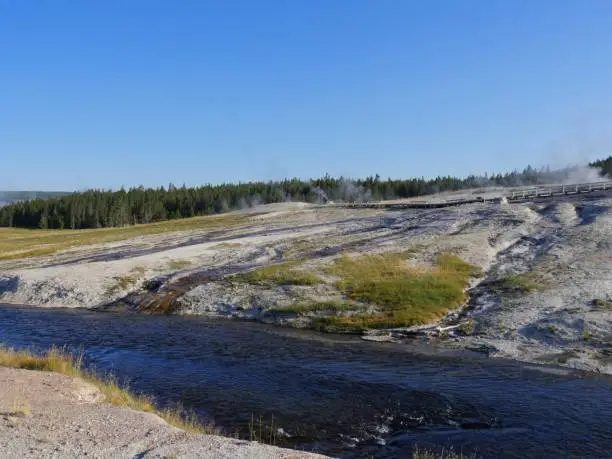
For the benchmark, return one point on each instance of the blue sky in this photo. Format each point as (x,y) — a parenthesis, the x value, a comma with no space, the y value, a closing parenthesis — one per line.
(104,93)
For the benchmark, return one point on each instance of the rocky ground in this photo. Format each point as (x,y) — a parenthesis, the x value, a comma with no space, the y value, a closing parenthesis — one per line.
(50,415)
(546,295)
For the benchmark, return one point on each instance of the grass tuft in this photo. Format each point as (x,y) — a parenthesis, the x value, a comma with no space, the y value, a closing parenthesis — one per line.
(20,409)
(444,454)
(176,265)
(60,361)
(126,281)
(263,431)
(55,360)
(280,274)
(519,283)
(121,283)
(406,295)
(467,327)
(318,306)
(454,264)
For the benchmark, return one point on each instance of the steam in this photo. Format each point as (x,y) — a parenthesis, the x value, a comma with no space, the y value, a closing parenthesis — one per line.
(587,138)
(345,191)
(348,191)
(580,174)
(321,195)
(249,201)
(256,200)
(242,204)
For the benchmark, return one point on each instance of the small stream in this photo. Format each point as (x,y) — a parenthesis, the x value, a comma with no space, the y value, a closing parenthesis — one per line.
(334,394)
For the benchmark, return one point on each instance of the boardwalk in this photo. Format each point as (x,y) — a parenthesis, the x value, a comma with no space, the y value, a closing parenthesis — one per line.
(510,195)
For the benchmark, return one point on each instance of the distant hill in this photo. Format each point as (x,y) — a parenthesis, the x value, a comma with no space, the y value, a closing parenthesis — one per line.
(8,197)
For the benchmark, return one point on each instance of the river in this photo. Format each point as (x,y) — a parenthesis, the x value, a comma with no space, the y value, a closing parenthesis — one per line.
(334,394)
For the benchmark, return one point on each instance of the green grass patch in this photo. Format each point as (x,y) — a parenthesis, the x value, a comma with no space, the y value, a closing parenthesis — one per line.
(452,263)
(17,243)
(178,264)
(60,361)
(519,283)
(319,306)
(281,274)
(406,295)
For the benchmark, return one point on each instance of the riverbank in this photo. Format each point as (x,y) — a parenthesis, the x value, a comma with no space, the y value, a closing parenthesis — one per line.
(44,414)
(544,295)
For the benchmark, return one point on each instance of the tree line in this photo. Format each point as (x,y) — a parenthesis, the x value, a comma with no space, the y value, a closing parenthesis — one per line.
(104,208)
(605,166)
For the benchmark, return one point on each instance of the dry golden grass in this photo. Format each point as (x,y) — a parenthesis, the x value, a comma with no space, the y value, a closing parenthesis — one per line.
(20,409)
(406,295)
(17,243)
(60,361)
(55,360)
(444,454)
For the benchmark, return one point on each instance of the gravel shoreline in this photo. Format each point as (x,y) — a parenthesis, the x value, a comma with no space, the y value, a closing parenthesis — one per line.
(51,415)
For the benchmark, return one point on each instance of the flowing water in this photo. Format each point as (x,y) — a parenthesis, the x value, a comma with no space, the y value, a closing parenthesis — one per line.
(333,394)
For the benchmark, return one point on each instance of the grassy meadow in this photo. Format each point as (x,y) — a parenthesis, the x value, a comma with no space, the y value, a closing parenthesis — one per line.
(18,243)
(405,295)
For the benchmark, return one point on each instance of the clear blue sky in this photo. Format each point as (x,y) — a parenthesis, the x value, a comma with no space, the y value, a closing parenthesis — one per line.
(126,92)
